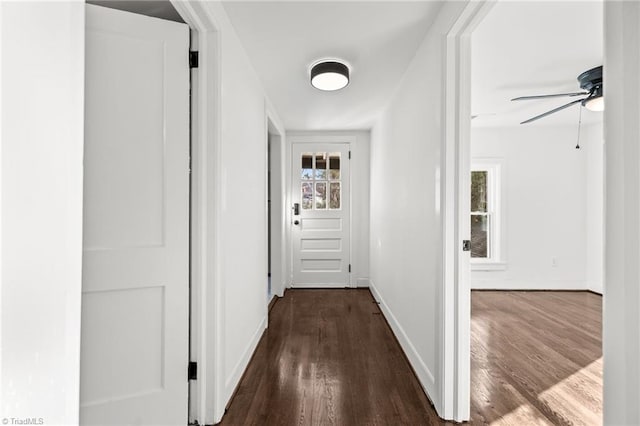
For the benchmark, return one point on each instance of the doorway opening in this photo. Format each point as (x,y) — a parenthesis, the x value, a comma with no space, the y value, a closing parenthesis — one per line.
(534,193)
(275,213)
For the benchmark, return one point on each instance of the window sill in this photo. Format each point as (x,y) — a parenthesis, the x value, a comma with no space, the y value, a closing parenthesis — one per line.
(488,266)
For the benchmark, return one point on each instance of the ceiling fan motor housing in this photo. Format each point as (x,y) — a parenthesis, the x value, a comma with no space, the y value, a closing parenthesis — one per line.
(591,80)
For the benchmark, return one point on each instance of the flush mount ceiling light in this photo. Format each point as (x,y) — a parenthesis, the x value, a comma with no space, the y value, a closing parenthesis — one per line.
(329,75)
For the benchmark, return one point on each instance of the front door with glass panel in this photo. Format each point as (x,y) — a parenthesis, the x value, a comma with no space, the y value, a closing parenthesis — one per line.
(321,215)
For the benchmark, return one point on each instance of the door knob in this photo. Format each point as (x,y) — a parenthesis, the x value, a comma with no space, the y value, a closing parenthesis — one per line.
(296,222)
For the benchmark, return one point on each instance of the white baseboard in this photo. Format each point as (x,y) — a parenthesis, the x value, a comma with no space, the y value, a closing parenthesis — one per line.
(493,284)
(363,282)
(425,376)
(319,285)
(241,365)
(595,287)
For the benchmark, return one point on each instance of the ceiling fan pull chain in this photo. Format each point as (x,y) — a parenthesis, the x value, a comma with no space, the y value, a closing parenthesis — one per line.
(579,126)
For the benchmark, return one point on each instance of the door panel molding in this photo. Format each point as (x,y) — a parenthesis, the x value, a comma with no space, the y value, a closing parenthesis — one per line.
(134,349)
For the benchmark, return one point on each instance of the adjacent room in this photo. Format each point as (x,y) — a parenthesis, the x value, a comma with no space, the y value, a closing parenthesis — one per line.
(537,215)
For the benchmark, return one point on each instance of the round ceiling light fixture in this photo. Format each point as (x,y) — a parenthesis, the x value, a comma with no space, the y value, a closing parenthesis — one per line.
(329,75)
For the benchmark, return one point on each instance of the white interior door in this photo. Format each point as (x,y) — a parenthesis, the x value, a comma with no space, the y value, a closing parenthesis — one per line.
(134,351)
(321,220)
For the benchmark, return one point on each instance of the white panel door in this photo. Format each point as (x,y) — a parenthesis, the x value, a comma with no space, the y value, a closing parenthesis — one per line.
(134,351)
(321,216)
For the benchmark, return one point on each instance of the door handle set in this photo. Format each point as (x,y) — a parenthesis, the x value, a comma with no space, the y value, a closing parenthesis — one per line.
(296,212)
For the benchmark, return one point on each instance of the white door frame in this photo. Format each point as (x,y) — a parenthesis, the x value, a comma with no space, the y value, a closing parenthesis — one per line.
(455,294)
(207,293)
(621,325)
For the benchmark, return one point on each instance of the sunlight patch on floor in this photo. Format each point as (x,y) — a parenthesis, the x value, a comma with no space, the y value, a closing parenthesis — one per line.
(570,394)
(565,397)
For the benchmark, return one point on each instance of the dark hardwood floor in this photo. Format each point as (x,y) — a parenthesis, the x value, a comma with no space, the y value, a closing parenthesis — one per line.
(329,358)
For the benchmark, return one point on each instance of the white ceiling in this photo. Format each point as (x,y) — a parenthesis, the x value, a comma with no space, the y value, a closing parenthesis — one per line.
(377,39)
(529,48)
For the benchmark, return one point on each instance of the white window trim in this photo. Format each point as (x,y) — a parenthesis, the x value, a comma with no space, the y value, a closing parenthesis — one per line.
(496,189)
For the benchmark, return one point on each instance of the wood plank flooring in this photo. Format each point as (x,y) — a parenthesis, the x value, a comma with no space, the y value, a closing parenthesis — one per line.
(329,358)
(536,358)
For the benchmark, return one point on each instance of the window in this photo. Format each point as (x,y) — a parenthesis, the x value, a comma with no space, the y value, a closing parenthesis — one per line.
(321,184)
(485,214)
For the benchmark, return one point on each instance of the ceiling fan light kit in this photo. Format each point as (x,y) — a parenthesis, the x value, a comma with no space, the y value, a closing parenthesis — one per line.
(590,82)
(595,102)
(329,75)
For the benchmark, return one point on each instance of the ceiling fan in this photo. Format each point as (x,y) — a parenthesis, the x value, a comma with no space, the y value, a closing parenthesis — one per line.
(591,84)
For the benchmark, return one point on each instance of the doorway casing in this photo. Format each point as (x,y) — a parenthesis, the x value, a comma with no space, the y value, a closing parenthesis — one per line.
(455,293)
(207,293)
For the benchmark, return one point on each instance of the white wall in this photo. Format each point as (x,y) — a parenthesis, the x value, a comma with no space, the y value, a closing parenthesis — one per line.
(42,88)
(242,205)
(550,206)
(621,328)
(360,215)
(406,193)
(360,165)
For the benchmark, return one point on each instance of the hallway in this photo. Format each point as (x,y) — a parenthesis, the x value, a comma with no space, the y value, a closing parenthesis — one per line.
(328,357)
(169,166)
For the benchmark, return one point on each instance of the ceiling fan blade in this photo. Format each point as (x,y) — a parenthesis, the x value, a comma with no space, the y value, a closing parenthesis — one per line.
(558,95)
(560,108)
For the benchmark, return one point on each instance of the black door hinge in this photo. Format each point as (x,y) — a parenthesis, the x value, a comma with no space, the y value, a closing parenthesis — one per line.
(349,268)
(192,372)
(466,245)
(193,59)
(349,155)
